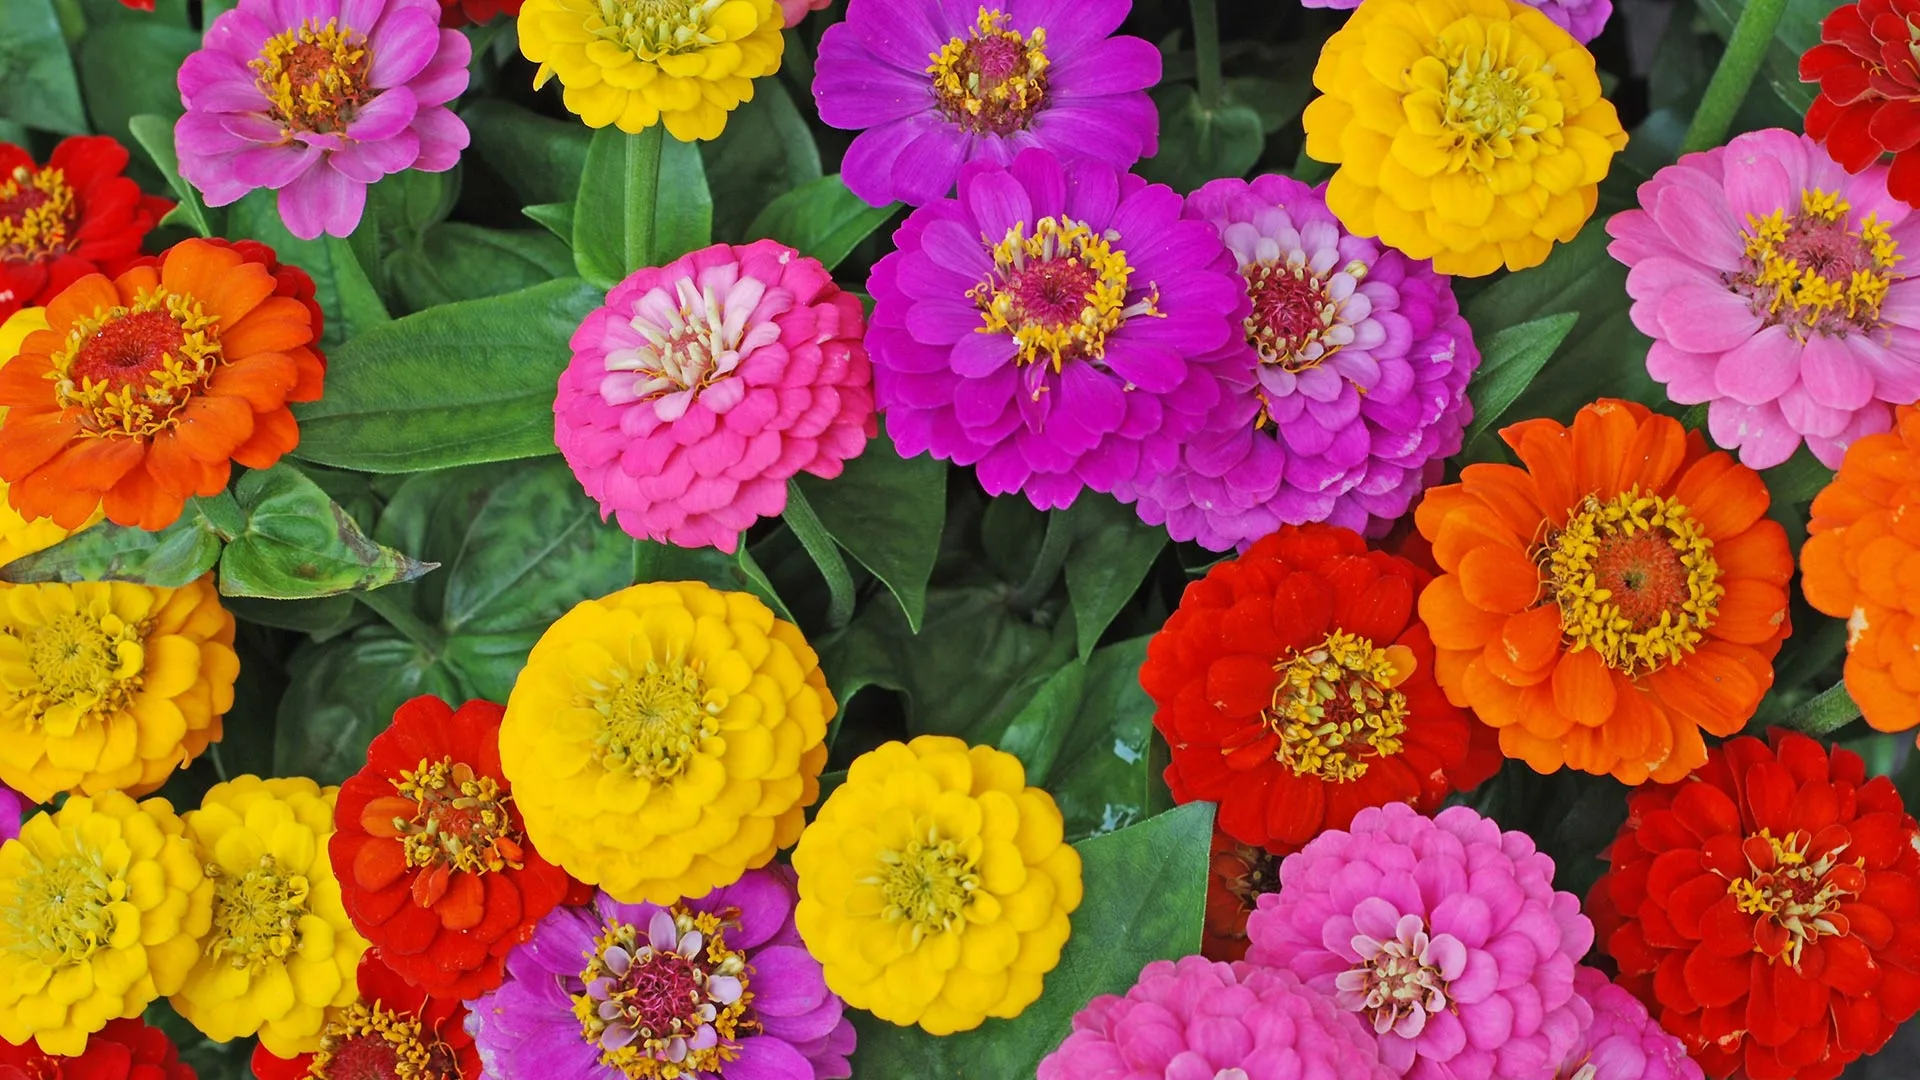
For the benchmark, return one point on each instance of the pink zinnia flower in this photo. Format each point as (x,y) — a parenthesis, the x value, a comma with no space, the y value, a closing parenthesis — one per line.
(1623,1042)
(1776,290)
(1444,934)
(796,10)
(1199,1019)
(703,385)
(13,806)
(316,100)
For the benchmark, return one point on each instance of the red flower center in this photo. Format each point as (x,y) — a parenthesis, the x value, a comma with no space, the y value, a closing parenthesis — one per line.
(1248,873)
(994,80)
(315,77)
(448,819)
(1336,708)
(375,1043)
(130,369)
(1644,573)
(1635,579)
(1292,313)
(1795,886)
(37,214)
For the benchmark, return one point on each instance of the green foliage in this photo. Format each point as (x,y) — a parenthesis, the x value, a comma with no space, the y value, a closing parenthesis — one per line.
(37,84)
(298,544)
(643,201)
(887,512)
(340,283)
(822,219)
(128,68)
(107,552)
(155,136)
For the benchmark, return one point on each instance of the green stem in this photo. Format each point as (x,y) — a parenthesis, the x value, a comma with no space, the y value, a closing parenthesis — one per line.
(392,605)
(1824,713)
(1206,49)
(1746,49)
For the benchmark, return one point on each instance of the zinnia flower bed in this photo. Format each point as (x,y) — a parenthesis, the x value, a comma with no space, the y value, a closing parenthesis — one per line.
(1004,540)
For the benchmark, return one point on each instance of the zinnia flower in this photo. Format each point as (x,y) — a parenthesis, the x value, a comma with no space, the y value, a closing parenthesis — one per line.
(110,686)
(1623,1042)
(393,1030)
(1004,76)
(74,216)
(1238,875)
(1194,1018)
(1869,85)
(21,536)
(288,281)
(1605,602)
(1770,283)
(1768,910)
(317,101)
(793,11)
(707,988)
(1295,687)
(1444,933)
(147,388)
(123,1050)
(637,63)
(1583,19)
(664,740)
(104,904)
(704,385)
(1853,567)
(281,951)
(935,885)
(13,806)
(434,864)
(1047,325)
(1346,392)
(1471,133)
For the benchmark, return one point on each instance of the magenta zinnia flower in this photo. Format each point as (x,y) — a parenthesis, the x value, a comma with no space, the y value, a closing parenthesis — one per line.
(1777,290)
(703,385)
(932,85)
(12,806)
(316,100)
(1346,392)
(1047,326)
(716,988)
(1623,1042)
(1444,934)
(1584,19)
(1195,1018)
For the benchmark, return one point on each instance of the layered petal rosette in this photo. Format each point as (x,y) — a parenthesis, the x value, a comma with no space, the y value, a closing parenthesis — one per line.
(1623,1042)
(704,385)
(1869,82)
(72,216)
(393,1030)
(126,1049)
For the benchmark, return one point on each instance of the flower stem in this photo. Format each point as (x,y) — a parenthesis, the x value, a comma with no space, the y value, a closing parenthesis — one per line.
(1746,49)
(1206,48)
(392,605)
(1824,713)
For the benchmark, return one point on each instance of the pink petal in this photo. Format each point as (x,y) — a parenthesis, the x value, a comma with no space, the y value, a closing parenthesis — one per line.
(1761,368)
(323,199)
(1833,375)
(1706,319)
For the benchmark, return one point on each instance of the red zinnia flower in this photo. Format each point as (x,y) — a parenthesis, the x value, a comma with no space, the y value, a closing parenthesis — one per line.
(392,1030)
(123,1050)
(1869,101)
(1767,910)
(455,14)
(434,864)
(1296,688)
(74,216)
(1236,879)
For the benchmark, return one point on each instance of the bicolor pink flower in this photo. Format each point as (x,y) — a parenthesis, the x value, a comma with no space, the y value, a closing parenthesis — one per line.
(704,385)
(1779,292)
(318,99)
(1623,1042)
(1445,935)
(1193,1019)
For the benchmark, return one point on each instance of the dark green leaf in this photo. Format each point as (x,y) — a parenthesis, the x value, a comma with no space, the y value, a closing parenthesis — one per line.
(805,524)
(765,150)
(1086,736)
(1198,144)
(344,692)
(822,219)
(298,544)
(643,201)
(1112,550)
(171,557)
(557,217)
(456,261)
(737,572)
(340,283)
(683,212)
(887,511)
(128,68)
(1826,713)
(155,136)
(541,158)
(323,617)
(37,85)
(1509,361)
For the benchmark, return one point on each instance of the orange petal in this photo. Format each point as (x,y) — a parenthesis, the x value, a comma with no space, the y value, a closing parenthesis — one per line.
(1711,689)
(29,440)
(1541,755)
(48,492)
(1531,639)
(1498,578)
(1723,496)
(1547,450)
(24,382)
(1882,702)
(313,375)
(279,323)
(137,502)
(1659,447)
(171,466)
(1509,493)
(263,379)
(211,426)
(1603,432)
(98,464)
(1585,749)
(1583,688)
(79,301)
(1451,619)
(1500,662)
(225,284)
(1435,506)
(1751,612)
(1760,553)
(274,434)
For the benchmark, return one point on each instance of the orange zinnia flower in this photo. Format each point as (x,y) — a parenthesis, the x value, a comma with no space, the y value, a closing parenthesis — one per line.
(1606,601)
(1862,564)
(147,387)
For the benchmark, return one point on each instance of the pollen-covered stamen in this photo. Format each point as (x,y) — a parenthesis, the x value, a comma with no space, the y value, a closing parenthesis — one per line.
(315,77)
(1401,981)
(1487,105)
(1812,272)
(930,883)
(130,369)
(86,668)
(448,819)
(1635,580)
(1336,706)
(1297,319)
(368,1041)
(37,212)
(693,336)
(669,1001)
(655,720)
(1060,292)
(256,915)
(651,29)
(1796,885)
(68,909)
(994,80)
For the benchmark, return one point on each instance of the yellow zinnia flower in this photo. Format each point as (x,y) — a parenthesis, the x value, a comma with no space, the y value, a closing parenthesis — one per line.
(666,739)
(102,906)
(110,686)
(281,951)
(637,63)
(1469,132)
(18,536)
(935,885)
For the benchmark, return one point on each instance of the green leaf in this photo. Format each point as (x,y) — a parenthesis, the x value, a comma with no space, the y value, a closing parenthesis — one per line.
(128,68)
(1198,144)
(1146,888)
(736,573)
(557,217)
(344,692)
(155,136)
(822,219)
(1509,361)
(539,157)
(683,214)
(322,617)
(37,85)
(1111,552)
(341,285)
(298,544)
(456,261)
(1086,737)
(813,536)
(453,385)
(171,557)
(643,202)
(1799,30)
(887,512)
(766,149)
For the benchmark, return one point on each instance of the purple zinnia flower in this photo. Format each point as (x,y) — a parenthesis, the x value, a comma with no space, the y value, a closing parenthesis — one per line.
(720,986)
(1445,934)
(1045,326)
(1195,1018)
(1623,1042)
(12,806)
(1584,19)
(316,100)
(934,84)
(1346,393)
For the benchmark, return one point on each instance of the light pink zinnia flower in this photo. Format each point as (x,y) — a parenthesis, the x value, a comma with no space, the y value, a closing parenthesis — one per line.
(1778,291)
(318,99)
(1623,1042)
(703,385)
(1199,1019)
(1444,934)
(796,10)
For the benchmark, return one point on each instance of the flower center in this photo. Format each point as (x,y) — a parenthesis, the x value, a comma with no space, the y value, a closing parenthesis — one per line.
(36,214)
(669,1003)
(1399,982)
(1813,272)
(654,722)
(1059,292)
(1336,706)
(256,915)
(129,370)
(650,29)
(372,1042)
(1796,884)
(446,815)
(1249,873)
(1586,1070)
(1635,580)
(1480,106)
(85,667)
(1296,321)
(929,883)
(62,910)
(992,81)
(315,77)
(693,338)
